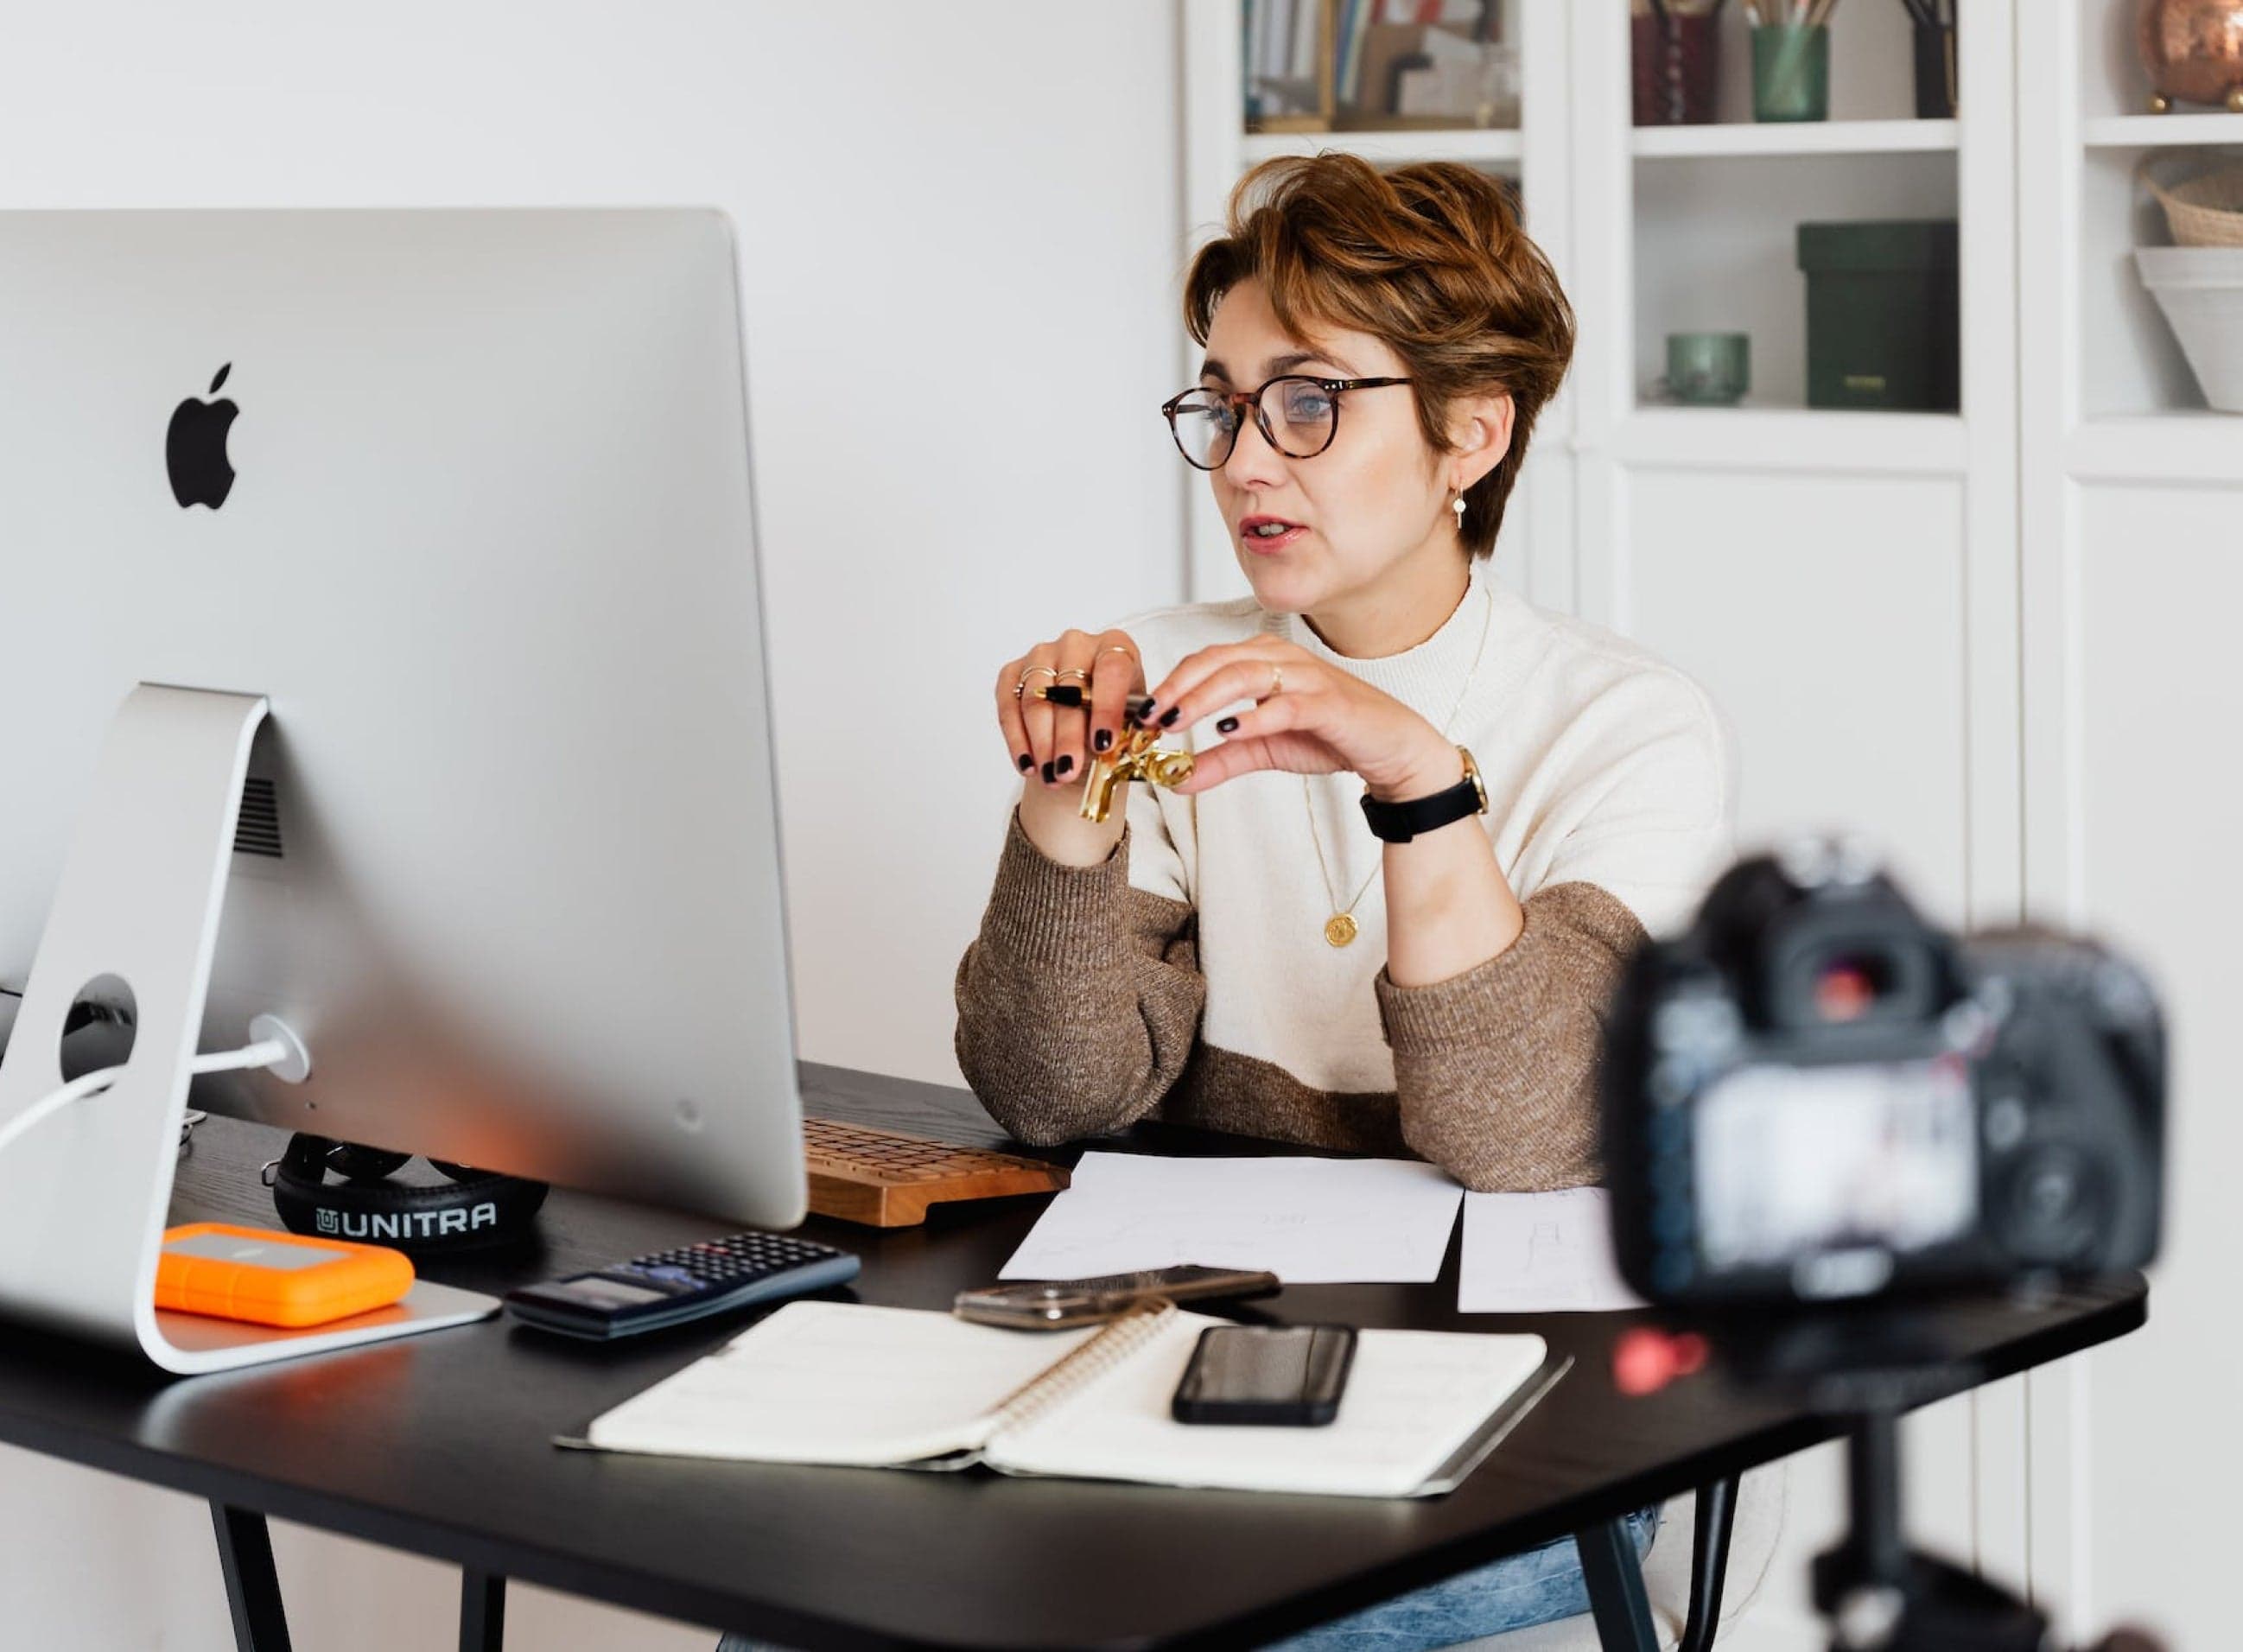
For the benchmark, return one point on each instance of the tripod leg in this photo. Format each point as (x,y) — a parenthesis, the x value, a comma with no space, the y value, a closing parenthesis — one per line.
(1616,1596)
(1709,1562)
(252,1587)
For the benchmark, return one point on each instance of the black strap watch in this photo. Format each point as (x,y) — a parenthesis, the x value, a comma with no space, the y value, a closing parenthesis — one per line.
(1399,822)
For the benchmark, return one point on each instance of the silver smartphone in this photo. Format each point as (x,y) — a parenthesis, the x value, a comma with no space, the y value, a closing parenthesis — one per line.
(1053,1305)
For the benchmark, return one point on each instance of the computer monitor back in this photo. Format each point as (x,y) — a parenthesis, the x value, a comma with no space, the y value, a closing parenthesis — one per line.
(467,494)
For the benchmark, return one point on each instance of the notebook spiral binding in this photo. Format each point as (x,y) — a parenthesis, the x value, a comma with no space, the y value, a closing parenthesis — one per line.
(1120,1339)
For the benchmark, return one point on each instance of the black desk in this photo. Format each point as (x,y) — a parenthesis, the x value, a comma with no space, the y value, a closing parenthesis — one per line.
(438,1445)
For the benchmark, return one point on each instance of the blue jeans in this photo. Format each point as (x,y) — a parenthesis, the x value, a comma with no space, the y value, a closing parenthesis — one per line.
(1534,1587)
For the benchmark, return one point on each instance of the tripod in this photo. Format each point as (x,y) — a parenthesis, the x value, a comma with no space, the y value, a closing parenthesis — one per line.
(1877,1594)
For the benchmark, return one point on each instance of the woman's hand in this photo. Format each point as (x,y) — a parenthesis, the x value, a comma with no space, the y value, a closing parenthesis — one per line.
(1052,746)
(1320,720)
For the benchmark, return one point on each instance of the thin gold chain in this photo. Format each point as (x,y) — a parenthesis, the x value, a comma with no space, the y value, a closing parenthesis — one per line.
(1307,798)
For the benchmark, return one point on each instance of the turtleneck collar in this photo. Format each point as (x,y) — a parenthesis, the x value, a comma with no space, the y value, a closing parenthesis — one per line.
(1429,677)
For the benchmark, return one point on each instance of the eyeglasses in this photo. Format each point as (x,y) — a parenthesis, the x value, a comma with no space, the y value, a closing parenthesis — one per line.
(1205,422)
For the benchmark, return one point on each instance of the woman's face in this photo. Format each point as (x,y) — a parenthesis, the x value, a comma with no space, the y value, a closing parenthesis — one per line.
(1374,504)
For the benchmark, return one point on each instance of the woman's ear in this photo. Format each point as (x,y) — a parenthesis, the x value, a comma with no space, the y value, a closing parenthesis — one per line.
(1479,432)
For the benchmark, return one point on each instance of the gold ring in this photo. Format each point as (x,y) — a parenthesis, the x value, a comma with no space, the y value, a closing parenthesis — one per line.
(1277,680)
(1020,687)
(1061,676)
(1115,648)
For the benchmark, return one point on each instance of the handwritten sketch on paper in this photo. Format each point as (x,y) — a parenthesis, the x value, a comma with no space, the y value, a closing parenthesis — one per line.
(1539,1253)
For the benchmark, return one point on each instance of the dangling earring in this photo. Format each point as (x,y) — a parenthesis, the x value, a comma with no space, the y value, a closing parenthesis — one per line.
(1458,505)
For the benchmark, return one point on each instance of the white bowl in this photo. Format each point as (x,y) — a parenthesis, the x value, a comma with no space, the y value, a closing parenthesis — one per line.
(2201,289)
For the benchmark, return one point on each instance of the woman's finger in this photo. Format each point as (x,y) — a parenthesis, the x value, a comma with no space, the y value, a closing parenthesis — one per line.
(1071,653)
(1189,693)
(1117,672)
(1036,714)
(1241,678)
(1010,721)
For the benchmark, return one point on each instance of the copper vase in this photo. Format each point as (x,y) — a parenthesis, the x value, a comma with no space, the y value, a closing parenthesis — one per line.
(2193,51)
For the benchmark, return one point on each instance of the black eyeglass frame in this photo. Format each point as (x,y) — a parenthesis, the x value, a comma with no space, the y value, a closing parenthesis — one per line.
(1234,398)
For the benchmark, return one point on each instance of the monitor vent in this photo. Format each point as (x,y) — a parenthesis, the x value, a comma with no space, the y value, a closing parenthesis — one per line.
(258,832)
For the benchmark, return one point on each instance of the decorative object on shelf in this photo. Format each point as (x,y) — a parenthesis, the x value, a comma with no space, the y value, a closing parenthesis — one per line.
(1883,315)
(1931,28)
(2193,49)
(2201,290)
(1378,66)
(1707,369)
(2203,211)
(1791,58)
(1675,61)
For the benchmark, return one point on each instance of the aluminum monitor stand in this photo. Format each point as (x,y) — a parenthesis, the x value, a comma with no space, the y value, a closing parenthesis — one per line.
(84,1194)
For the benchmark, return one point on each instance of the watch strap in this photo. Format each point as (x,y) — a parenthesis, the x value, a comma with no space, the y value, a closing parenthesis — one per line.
(1399,822)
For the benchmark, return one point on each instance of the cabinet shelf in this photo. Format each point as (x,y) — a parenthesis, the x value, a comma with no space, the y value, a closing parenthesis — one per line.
(1794,137)
(2159,132)
(2195,446)
(1474,145)
(1826,440)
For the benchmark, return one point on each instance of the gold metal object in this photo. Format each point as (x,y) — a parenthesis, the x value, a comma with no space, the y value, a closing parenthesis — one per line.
(1136,757)
(1340,929)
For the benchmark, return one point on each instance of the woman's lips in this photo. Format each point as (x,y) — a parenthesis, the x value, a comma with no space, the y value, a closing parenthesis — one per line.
(1269,544)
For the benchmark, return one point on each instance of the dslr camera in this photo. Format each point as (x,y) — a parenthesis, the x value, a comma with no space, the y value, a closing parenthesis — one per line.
(1813,1095)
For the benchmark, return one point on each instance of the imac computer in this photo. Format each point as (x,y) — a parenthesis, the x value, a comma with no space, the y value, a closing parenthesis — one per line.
(382,660)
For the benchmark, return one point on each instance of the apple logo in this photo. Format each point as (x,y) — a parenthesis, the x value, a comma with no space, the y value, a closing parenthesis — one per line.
(194,449)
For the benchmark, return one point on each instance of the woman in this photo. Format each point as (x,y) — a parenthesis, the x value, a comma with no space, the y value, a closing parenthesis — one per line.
(1241,952)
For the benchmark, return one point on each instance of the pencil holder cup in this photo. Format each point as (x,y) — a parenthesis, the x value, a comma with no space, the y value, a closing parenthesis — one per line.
(1791,72)
(1707,369)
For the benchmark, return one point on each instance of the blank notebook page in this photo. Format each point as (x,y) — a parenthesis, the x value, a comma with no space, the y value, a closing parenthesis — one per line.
(837,1382)
(1413,1399)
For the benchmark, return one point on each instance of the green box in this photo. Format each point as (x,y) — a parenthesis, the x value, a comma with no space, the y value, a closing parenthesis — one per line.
(1884,322)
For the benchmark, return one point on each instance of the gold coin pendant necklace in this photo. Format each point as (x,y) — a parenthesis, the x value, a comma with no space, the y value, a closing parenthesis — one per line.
(1340,928)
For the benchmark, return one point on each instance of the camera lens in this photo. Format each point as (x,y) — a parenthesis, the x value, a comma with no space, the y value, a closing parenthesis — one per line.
(1846,988)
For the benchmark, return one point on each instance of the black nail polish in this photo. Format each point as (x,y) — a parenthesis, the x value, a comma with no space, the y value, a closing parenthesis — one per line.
(1048,776)
(1065,763)
(1103,738)
(1026,762)
(1169,717)
(1228,725)
(1143,711)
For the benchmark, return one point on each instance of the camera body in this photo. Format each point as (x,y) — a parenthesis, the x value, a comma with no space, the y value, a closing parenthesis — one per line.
(1813,1095)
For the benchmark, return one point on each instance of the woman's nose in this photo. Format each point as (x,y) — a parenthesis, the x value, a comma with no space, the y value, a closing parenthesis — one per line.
(1253,462)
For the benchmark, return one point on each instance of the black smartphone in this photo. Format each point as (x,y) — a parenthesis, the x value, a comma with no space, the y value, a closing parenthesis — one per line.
(1288,1375)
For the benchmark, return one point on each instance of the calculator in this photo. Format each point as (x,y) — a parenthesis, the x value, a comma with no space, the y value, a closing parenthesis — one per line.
(669,1287)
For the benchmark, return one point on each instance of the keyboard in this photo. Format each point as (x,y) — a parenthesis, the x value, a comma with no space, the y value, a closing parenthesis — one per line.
(886,1179)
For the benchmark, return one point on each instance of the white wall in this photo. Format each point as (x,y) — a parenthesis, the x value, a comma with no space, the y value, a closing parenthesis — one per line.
(970,206)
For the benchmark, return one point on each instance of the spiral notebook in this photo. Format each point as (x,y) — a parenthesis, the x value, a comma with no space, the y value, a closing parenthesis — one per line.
(843,1383)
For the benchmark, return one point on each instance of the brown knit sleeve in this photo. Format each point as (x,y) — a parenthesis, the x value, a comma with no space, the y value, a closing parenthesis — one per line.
(1079,1000)
(1496,1069)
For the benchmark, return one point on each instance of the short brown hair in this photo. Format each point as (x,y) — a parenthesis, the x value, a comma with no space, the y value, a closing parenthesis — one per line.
(1429,258)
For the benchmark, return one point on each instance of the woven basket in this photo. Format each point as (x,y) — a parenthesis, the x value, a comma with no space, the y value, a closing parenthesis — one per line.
(2203,211)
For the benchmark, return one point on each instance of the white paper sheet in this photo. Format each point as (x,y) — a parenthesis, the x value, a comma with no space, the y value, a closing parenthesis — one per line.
(1540,1253)
(1309,1221)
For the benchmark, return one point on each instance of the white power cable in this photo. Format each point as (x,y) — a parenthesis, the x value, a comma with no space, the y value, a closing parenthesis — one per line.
(266,1052)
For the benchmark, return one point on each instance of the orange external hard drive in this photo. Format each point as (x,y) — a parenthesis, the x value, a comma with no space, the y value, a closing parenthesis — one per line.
(273,1278)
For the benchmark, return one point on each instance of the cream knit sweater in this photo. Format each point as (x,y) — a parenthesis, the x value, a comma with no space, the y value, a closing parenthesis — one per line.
(1187,977)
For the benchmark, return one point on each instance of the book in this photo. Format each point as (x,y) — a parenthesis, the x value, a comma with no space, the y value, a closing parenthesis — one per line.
(847,1384)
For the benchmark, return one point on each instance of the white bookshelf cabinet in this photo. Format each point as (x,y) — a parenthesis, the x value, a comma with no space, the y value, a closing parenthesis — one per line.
(1993,639)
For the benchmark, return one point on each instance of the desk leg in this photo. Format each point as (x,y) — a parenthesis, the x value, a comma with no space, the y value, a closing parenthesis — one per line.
(252,1587)
(482,1612)
(1709,1562)
(1616,1596)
